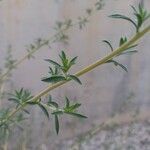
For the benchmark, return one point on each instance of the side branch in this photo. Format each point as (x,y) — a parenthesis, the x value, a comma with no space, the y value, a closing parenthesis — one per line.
(83,71)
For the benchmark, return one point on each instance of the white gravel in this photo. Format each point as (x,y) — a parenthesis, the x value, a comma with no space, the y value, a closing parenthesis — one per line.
(133,136)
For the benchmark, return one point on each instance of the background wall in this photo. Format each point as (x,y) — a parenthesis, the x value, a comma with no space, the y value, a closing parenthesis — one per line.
(105,90)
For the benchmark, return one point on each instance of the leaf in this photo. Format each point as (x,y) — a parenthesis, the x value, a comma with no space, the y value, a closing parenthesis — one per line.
(50,98)
(73,77)
(67,102)
(51,71)
(122,41)
(75,106)
(118,16)
(56,124)
(109,44)
(14,100)
(57,112)
(20,96)
(140,8)
(32,103)
(54,79)
(73,61)
(63,55)
(57,71)
(134,9)
(118,64)
(63,58)
(26,111)
(140,20)
(72,108)
(19,93)
(53,104)
(44,110)
(147,17)
(132,46)
(129,52)
(76,114)
(64,61)
(53,62)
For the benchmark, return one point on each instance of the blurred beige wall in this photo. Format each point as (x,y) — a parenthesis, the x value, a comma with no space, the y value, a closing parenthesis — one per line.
(106,88)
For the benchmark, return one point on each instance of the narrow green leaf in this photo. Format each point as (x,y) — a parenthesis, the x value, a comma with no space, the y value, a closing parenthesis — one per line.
(57,112)
(67,102)
(132,46)
(73,61)
(63,55)
(76,114)
(147,17)
(51,71)
(123,67)
(118,16)
(14,100)
(109,44)
(26,111)
(140,8)
(140,20)
(53,62)
(75,106)
(53,104)
(134,9)
(129,52)
(32,103)
(73,77)
(122,41)
(118,64)
(57,71)
(54,79)
(56,124)
(44,110)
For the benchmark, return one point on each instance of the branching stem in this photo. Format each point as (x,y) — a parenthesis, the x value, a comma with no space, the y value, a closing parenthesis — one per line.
(83,71)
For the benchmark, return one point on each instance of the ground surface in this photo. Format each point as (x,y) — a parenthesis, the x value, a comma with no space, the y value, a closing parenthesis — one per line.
(132,136)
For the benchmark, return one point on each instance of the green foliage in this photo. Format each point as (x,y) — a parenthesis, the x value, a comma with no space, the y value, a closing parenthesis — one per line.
(3,113)
(70,109)
(118,64)
(5,127)
(52,103)
(67,109)
(61,71)
(72,77)
(43,108)
(20,96)
(54,79)
(141,15)
(57,124)
(109,44)
(122,41)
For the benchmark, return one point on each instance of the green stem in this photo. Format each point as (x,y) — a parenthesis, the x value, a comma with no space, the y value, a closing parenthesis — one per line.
(83,71)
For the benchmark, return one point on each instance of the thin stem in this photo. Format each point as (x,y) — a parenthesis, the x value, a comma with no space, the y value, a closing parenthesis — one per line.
(83,71)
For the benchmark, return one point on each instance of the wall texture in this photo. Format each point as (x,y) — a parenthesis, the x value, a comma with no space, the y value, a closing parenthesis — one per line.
(105,90)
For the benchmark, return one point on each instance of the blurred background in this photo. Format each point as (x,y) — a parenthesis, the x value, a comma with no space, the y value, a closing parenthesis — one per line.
(105,92)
